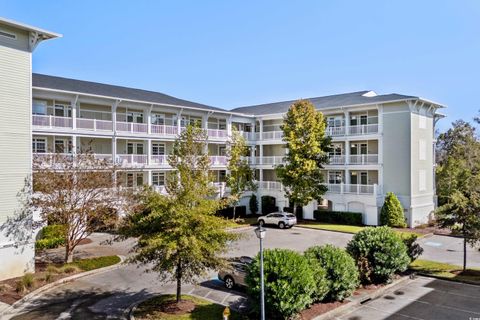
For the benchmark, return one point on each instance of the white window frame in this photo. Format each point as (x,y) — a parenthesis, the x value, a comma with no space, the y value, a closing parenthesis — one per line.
(334,175)
(36,141)
(159,147)
(158,178)
(40,104)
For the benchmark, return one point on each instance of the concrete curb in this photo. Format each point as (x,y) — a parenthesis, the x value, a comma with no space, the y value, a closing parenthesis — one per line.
(356,302)
(18,305)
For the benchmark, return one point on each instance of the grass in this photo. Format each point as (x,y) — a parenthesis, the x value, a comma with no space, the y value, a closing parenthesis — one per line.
(345,228)
(241,222)
(204,310)
(444,271)
(94,263)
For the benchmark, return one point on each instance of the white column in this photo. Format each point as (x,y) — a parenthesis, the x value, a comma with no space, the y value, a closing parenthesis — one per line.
(261,129)
(261,174)
(114,149)
(179,122)
(149,177)
(260,153)
(347,176)
(149,120)
(149,151)
(347,123)
(114,116)
(229,126)
(347,152)
(74,144)
(74,113)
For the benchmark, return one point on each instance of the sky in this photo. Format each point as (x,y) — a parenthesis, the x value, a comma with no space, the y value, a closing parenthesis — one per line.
(235,53)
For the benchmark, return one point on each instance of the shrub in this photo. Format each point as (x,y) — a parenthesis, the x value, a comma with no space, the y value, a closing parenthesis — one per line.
(43,244)
(414,250)
(253,204)
(290,284)
(27,280)
(341,271)
(341,217)
(240,212)
(19,287)
(48,277)
(52,236)
(70,269)
(52,269)
(379,253)
(392,212)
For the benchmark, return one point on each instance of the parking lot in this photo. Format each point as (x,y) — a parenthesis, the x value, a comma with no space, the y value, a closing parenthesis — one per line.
(421,298)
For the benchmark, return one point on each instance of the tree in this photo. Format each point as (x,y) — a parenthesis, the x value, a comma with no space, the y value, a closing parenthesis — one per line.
(458,183)
(179,234)
(304,136)
(77,191)
(392,212)
(253,203)
(240,175)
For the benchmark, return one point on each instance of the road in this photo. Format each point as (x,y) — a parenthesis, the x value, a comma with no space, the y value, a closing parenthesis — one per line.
(108,294)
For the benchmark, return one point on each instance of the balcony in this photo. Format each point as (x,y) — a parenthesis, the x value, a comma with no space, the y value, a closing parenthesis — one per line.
(217,134)
(335,131)
(132,127)
(363,159)
(270,185)
(94,124)
(267,160)
(164,130)
(363,129)
(131,160)
(337,159)
(248,135)
(218,160)
(360,189)
(160,160)
(51,121)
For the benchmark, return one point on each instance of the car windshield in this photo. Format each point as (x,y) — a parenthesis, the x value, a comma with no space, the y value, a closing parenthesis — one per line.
(290,215)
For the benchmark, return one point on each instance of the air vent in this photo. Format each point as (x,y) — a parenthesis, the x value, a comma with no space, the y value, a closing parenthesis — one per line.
(8,35)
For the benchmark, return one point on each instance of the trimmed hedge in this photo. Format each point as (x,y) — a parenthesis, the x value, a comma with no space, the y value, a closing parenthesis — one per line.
(341,270)
(379,253)
(392,212)
(240,212)
(290,283)
(340,217)
(53,243)
(52,236)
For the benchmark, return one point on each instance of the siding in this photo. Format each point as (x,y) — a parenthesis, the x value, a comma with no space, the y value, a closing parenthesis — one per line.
(15,136)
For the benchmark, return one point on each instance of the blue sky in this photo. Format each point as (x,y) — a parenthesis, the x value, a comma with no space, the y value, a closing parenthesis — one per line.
(235,53)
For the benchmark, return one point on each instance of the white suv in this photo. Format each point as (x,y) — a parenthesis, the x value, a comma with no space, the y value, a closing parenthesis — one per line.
(280,219)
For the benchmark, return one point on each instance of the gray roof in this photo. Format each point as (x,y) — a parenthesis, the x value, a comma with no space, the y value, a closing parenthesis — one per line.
(338,100)
(94,88)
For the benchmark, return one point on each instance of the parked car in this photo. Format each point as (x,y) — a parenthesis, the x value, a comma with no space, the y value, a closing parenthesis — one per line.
(236,274)
(280,219)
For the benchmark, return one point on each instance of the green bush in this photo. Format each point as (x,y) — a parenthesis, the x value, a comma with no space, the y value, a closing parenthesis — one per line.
(379,253)
(290,283)
(52,236)
(253,204)
(340,217)
(392,212)
(341,271)
(43,244)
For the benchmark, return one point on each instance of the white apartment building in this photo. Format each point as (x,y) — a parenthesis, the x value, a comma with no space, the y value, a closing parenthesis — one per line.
(381,143)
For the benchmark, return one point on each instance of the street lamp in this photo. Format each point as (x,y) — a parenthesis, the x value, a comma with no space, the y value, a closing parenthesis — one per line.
(260,232)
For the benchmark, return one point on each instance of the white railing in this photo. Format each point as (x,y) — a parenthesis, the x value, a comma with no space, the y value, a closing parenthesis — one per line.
(270,185)
(132,127)
(131,159)
(268,160)
(218,160)
(106,156)
(335,131)
(338,159)
(51,158)
(94,124)
(363,129)
(159,160)
(248,135)
(160,189)
(272,135)
(217,133)
(363,159)
(164,130)
(51,121)
(342,188)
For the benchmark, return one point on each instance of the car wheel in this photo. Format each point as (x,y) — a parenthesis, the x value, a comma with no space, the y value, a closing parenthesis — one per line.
(229,282)
(261,223)
(281,225)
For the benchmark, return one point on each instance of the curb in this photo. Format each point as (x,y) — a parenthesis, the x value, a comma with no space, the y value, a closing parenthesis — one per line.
(239,229)
(18,304)
(353,303)
(317,229)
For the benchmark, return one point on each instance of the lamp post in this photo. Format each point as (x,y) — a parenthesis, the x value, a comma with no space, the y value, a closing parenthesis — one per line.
(260,232)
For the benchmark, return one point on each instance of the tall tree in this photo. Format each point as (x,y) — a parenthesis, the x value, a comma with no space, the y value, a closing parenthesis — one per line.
(304,136)
(179,235)
(458,183)
(240,176)
(77,191)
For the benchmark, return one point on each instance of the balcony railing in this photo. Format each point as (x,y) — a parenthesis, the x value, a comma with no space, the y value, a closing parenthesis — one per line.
(337,159)
(159,160)
(131,159)
(335,131)
(218,160)
(363,129)
(363,189)
(270,135)
(164,130)
(51,121)
(270,185)
(268,160)
(132,127)
(363,159)
(94,124)
(217,133)
(248,135)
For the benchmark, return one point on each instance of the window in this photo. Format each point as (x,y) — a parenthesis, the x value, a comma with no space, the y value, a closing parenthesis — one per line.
(139,179)
(158,119)
(158,149)
(335,177)
(134,148)
(222,175)
(422,149)
(39,107)
(129,180)
(358,148)
(358,120)
(222,150)
(337,150)
(60,146)
(422,180)
(39,145)
(359,177)
(335,121)
(158,178)
(136,117)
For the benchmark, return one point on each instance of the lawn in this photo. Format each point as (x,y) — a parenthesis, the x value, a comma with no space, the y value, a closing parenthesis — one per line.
(204,309)
(94,263)
(446,271)
(345,228)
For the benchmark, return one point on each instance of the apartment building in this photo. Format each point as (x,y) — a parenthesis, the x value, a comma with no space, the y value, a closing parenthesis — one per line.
(17,42)
(381,143)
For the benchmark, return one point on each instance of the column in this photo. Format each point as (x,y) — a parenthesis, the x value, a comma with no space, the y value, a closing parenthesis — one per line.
(149,151)
(149,177)
(114,150)
(74,113)
(347,123)
(261,129)
(149,120)
(74,144)
(179,122)
(347,152)
(229,126)
(260,154)
(114,116)
(347,176)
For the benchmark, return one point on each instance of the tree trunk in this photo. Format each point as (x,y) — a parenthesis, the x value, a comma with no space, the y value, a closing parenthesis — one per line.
(234,207)
(464,252)
(68,253)
(179,281)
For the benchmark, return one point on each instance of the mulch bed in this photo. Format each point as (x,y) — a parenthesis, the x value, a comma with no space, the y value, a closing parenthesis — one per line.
(183,307)
(320,308)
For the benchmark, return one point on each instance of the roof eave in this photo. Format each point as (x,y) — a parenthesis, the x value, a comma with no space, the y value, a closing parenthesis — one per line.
(44,33)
